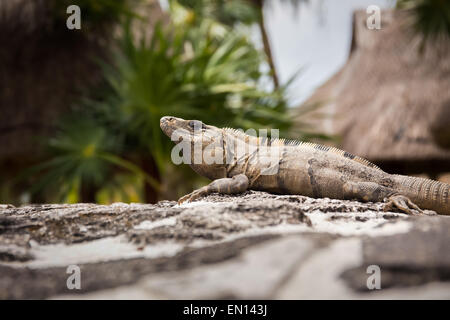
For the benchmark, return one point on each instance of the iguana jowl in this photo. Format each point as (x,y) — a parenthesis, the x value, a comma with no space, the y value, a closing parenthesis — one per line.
(301,168)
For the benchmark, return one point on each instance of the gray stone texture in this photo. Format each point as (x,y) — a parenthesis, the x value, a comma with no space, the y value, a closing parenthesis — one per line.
(256,245)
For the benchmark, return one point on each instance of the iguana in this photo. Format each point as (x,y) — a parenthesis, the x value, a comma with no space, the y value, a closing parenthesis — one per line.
(301,168)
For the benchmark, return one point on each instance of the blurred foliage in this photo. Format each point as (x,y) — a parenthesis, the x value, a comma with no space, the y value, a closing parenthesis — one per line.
(95,13)
(228,12)
(238,12)
(231,12)
(431,18)
(111,147)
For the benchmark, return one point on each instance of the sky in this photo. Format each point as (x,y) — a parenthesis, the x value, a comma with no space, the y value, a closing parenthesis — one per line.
(315,38)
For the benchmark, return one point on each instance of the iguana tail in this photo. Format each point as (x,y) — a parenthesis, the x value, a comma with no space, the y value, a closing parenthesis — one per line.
(426,193)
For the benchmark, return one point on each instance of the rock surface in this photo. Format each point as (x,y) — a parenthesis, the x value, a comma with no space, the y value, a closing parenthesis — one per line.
(255,245)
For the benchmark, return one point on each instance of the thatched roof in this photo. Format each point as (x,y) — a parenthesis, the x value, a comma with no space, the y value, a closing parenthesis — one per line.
(42,67)
(44,70)
(389,97)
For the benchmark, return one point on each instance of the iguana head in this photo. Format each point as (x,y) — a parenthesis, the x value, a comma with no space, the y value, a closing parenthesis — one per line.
(190,130)
(201,144)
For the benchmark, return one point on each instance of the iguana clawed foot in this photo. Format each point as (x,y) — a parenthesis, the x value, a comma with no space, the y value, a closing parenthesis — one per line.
(193,195)
(403,204)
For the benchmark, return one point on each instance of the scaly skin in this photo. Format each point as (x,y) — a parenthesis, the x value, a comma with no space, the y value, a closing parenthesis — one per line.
(295,167)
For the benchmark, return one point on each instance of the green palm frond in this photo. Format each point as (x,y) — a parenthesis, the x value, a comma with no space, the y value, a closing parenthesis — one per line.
(228,12)
(431,18)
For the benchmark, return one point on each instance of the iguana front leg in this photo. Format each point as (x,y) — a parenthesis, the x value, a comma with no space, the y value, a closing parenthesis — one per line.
(237,184)
(371,191)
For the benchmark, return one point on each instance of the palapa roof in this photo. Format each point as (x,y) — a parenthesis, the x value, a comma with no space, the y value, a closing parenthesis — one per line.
(386,99)
(45,70)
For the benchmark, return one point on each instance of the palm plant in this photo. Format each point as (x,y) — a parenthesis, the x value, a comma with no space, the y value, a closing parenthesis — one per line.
(206,71)
(231,12)
(430,18)
(84,155)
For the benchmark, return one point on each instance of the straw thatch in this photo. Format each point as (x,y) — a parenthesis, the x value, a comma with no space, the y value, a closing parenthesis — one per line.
(390,102)
(43,65)
(44,70)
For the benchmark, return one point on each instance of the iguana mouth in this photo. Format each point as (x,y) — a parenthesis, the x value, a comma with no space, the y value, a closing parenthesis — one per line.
(169,124)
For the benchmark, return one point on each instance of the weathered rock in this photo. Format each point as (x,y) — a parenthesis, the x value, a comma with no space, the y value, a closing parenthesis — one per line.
(420,256)
(255,245)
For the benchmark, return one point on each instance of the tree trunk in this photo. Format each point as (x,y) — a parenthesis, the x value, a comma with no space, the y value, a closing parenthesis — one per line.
(87,192)
(148,164)
(266,44)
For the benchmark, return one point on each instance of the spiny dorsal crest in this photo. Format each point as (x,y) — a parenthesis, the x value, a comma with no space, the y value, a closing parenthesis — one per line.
(290,142)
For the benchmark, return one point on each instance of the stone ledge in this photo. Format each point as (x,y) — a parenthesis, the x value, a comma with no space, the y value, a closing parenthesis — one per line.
(255,245)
